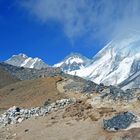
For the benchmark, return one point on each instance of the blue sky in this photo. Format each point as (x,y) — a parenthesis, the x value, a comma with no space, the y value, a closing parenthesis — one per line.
(52,29)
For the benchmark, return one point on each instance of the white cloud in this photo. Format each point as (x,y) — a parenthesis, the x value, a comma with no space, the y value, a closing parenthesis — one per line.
(99,18)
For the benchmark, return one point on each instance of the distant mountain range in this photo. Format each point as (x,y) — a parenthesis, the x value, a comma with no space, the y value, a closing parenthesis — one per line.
(118,63)
(22,60)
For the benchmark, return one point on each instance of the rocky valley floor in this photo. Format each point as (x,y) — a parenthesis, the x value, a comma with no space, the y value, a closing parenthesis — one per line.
(76,122)
(65,107)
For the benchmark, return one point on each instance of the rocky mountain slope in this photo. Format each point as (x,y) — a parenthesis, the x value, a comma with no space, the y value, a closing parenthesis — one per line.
(28,73)
(39,84)
(116,62)
(21,60)
(6,78)
(72,62)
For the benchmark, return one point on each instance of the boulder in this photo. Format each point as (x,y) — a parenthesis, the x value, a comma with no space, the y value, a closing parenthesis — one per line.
(120,121)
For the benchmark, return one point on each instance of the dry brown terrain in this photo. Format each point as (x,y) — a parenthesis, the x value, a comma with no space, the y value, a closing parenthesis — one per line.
(80,121)
(60,126)
(30,93)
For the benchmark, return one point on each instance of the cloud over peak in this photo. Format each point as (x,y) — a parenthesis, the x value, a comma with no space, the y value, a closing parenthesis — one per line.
(96,18)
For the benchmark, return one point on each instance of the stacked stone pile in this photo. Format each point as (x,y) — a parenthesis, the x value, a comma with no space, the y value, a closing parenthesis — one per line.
(17,115)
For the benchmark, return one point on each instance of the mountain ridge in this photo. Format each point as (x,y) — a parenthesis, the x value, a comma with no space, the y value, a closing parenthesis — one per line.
(114,64)
(73,61)
(22,60)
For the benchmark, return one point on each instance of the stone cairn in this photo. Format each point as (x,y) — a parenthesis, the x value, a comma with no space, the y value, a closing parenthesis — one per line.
(16,115)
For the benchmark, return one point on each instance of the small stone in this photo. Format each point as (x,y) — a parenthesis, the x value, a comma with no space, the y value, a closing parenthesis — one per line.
(14,135)
(20,120)
(26,130)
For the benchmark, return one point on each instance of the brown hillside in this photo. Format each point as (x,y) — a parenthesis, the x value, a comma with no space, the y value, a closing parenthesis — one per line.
(30,93)
(6,79)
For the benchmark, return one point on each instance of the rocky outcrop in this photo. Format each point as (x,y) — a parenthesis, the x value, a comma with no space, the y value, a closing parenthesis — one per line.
(117,94)
(120,121)
(81,87)
(76,85)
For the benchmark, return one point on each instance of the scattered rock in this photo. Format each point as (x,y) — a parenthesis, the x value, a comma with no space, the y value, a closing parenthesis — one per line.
(120,121)
(14,135)
(78,110)
(116,94)
(99,88)
(47,102)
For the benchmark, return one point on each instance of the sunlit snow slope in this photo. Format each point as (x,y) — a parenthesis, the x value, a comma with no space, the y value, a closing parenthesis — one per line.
(118,60)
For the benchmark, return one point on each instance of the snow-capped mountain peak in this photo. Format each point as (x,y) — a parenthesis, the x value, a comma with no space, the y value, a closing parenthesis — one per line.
(72,62)
(22,60)
(115,62)
(21,55)
(118,63)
